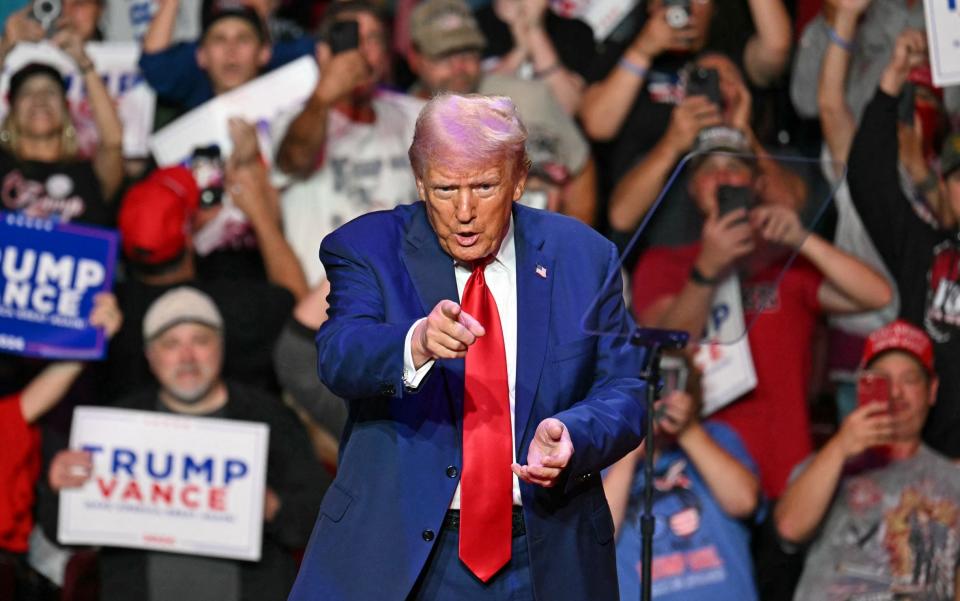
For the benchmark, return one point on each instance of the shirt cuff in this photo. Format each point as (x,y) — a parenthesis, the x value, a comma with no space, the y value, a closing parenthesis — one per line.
(411,375)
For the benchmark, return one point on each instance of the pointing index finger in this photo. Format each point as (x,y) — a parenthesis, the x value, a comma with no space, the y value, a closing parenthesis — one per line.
(469,321)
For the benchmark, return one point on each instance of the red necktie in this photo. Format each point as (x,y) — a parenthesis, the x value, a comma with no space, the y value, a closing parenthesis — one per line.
(486,486)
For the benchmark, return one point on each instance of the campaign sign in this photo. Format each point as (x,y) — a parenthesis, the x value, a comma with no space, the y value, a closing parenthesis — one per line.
(49,274)
(943,40)
(168,482)
(258,102)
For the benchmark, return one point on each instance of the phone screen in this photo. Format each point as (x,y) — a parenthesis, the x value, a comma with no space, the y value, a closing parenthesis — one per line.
(731,198)
(344,35)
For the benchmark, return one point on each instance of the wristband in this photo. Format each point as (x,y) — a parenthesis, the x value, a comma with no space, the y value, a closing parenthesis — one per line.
(634,68)
(544,73)
(836,39)
(697,277)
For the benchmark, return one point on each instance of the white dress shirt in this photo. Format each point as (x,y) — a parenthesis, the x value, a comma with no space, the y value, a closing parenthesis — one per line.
(501,278)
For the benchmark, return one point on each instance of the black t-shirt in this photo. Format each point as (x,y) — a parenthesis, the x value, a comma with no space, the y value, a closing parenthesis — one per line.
(924,262)
(572,39)
(67,191)
(254,312)
(649,116)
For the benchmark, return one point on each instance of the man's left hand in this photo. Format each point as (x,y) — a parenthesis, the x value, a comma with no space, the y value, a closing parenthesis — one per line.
(549,454)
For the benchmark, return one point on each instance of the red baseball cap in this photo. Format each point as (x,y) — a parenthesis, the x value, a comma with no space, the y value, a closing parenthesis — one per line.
(155,214)
(900,336)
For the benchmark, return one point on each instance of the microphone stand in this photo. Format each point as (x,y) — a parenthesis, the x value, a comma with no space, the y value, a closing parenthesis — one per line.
(656,342)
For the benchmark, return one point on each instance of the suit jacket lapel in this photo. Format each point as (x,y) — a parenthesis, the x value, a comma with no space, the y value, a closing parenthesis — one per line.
(431,271)
(534,287)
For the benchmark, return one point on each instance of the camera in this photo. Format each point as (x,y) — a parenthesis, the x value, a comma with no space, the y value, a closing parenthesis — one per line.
(705,82)
(678,13)
(207,168)
(46,12)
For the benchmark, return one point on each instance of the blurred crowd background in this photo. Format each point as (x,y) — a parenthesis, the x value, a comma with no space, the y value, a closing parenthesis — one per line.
(817,131)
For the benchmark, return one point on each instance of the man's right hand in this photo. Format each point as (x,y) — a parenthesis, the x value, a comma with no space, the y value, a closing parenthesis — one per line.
(725,239)
(688,118)
(339,73)
(21,28)
(445,334)
(70,469)
(910,51)
(867,426)
(657,36)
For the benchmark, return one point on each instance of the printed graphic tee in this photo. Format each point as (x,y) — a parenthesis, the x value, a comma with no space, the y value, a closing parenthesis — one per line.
(363,167)
(699,552)
(65,191)
(891,533)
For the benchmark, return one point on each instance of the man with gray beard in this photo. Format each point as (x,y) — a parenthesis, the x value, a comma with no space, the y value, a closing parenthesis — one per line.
(183,334)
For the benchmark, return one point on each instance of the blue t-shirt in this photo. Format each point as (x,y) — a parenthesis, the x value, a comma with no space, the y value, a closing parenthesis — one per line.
(177,78)
(699,551)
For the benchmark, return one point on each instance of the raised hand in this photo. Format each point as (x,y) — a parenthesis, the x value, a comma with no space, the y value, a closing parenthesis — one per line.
(339,73)
(688,119)
(910,51)
(725,239)
(106,314)
(867,426)
(778,224)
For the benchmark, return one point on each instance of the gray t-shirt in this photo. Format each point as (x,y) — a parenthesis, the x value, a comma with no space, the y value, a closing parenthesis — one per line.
(175,577)
(892,533)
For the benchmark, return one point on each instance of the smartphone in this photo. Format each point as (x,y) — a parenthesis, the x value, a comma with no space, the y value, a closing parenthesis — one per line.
(873,387)
(905,106)
(46,12)
(206,165)
(731,198)
(344,35)
(673,374)
(705,82)
(677,13)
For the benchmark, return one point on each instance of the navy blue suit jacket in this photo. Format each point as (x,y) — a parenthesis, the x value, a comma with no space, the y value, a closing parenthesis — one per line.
(401,450)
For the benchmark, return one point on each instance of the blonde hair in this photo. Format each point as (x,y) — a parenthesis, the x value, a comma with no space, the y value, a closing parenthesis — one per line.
(10,134)
(467,131)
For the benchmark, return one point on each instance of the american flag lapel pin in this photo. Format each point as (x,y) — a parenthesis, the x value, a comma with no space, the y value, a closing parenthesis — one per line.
(542,271)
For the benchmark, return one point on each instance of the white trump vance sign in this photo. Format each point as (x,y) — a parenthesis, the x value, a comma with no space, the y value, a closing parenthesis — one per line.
(168,482)
(943,40)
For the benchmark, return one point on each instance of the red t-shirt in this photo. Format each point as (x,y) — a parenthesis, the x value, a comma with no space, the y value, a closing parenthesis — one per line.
(772,419)
(19,470)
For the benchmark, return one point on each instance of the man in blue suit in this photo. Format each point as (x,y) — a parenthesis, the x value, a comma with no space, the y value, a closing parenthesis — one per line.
(483,351)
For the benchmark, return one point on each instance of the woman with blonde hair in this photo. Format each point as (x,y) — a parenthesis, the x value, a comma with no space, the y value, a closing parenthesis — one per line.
(41,172)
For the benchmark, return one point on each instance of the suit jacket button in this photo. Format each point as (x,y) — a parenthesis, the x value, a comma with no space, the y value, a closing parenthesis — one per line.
(427,535)
(452,471)
(388,390)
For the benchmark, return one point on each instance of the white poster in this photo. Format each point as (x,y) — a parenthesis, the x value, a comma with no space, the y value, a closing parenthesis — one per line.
(168,482)
(724,356)
(262,102)
(602,16)
(943,40)
(116,62)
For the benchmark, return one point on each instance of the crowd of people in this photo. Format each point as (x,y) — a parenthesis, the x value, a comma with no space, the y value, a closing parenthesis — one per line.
(702,138)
